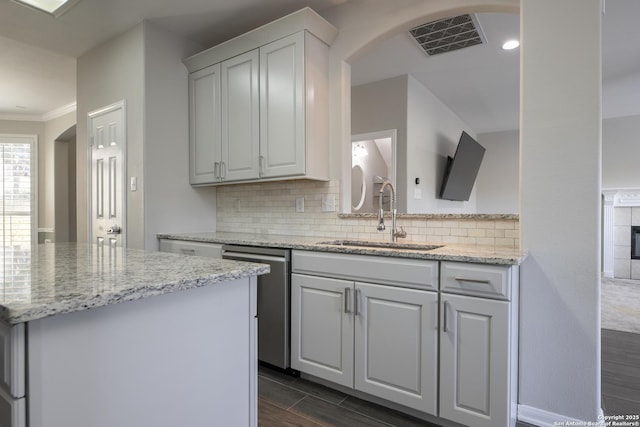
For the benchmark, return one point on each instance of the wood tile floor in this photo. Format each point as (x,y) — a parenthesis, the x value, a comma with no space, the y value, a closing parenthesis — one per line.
(620,372)
(288,401)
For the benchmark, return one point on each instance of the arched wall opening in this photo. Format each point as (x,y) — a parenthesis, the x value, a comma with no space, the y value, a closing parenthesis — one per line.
(65,186)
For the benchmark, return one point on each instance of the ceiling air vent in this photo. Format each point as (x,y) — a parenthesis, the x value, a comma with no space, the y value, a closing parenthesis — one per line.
(449,34)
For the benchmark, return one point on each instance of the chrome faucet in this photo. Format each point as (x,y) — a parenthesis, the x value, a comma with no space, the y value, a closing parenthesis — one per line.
(381,227)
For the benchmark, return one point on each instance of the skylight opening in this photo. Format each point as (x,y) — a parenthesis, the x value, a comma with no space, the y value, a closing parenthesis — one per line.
(52,7)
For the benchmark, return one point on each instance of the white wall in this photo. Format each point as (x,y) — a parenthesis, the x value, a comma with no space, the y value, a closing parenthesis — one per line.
(46,168)
(621,152)
(107,74)
(381,106)
(498,179)
(144,68)
(428,132)
(171,204)
(433,131)
(560,130)
(65,190)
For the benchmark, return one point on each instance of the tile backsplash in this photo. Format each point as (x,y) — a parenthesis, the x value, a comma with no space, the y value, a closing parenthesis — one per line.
(270,208)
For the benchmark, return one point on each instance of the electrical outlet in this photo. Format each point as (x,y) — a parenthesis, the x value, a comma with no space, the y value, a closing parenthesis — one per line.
(299,204)
(329,203)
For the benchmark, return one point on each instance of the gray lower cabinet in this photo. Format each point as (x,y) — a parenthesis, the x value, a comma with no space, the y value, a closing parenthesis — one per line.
(12,376)
(451,353)
(478,344)
(376,338)
(183,247)
(396,344)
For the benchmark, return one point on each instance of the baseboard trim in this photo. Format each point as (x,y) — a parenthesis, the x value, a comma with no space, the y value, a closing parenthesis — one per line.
(542,418)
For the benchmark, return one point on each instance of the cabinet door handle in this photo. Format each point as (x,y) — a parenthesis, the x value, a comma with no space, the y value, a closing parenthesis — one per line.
(261,165)
(357,302)
(465,279)
(216,170)
(445,306)
(347,297)
(223,170)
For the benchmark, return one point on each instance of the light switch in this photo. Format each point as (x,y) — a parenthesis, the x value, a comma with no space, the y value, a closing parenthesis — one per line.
(417,193)
(299,204)
(134,183)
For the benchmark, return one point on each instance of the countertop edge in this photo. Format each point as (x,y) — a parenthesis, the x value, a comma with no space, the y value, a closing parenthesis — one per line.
(16,314)
(443,253)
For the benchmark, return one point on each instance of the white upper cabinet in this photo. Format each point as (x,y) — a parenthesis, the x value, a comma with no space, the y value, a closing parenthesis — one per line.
(240,118)
(282,107)
(204,125)
(268,116)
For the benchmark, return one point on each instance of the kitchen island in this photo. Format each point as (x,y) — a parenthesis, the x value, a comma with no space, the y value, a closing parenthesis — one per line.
(179,350)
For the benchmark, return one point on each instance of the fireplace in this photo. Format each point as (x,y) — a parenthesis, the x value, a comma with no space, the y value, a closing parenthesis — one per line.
(621,233)
(635,242)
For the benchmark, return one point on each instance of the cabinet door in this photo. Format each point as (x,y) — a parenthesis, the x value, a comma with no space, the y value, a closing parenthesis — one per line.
(396,345)
(204,125)
(12,359)
(240,117)
(13,412)
(282,107)
(322,327)
(474,361)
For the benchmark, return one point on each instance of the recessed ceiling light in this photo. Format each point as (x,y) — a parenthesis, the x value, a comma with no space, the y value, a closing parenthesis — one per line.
(52,7)
(510,44)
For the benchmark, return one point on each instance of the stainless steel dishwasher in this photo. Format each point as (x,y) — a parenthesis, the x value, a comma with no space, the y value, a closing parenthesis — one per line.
(274,308)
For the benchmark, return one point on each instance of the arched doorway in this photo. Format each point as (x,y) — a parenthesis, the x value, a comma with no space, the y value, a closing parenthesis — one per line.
(65,185)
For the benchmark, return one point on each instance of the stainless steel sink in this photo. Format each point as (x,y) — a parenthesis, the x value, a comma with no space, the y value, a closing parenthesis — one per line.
(381,245)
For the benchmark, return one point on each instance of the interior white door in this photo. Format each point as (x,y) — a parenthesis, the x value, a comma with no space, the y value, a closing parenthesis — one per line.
(108,168)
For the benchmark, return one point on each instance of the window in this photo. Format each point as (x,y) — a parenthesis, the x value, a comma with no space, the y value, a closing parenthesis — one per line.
(17,208)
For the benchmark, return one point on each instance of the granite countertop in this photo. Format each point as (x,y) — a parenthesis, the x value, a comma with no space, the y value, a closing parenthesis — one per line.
(52,279)
(446,252)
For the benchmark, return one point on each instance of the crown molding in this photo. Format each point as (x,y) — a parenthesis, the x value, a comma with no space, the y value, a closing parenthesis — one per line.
(53,114)
(59,112)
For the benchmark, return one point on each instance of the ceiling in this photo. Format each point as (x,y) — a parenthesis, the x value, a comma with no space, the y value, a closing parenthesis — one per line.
(480,83)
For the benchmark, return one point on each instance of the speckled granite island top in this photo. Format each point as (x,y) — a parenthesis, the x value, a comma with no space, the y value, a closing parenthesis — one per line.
(61,278)
(444,251)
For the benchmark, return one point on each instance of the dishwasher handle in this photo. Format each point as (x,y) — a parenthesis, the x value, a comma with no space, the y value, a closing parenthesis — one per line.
(252,257)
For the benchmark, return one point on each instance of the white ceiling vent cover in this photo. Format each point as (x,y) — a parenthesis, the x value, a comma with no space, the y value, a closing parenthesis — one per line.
(449,34)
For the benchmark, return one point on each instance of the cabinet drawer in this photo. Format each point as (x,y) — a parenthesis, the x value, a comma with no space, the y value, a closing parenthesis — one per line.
(211,250)
(421,274)
(489,281)
(12,359)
